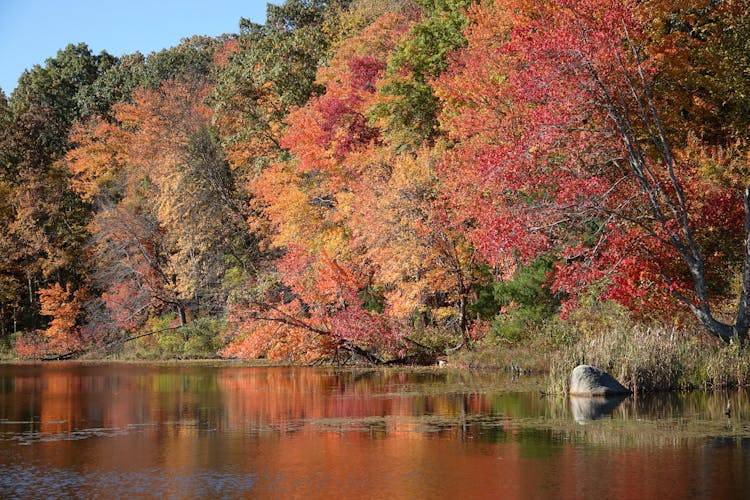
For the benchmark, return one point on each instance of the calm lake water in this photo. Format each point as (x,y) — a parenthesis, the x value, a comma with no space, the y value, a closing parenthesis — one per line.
(197,431)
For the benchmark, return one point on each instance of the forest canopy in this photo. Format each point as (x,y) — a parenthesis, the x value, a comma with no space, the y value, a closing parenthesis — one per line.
(389,179)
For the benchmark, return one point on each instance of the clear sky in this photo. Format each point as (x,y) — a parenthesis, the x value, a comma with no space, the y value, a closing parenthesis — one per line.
(33,30)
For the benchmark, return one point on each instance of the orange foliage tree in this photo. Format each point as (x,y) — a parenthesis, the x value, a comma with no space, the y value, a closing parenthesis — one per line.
(167,210)
(63,335)
(369,248)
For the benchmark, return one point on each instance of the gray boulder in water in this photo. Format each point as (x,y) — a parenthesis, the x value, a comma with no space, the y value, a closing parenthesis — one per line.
(587,380)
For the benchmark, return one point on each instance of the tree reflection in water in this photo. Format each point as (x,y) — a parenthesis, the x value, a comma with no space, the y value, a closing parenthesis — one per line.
(218,430)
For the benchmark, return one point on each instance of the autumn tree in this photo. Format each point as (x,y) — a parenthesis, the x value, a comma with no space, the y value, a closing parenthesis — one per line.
(582,165)
(272,68)
(64,306)
(408,114)
(48,221)
(424,267)
(10,284)
(168,223)
(309,198)
(701,50)
(369,248)
(346,20)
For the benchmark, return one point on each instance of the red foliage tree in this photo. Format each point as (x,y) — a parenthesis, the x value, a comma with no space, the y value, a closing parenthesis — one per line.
(578,162)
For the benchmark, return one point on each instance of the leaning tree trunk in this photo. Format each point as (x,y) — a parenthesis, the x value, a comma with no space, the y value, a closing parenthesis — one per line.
(634,115)
(742,322)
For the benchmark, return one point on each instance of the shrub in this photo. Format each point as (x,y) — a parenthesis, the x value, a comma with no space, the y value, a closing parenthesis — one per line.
(522,304)
(198,339)
(203,338)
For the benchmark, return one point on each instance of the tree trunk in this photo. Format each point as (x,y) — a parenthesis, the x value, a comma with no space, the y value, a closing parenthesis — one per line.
(727,332)
(463,322)
(183,319)
(662,204)
(181,313)
(742,323)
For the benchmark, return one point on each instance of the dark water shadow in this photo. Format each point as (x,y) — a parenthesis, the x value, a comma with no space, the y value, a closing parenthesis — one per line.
(593,408)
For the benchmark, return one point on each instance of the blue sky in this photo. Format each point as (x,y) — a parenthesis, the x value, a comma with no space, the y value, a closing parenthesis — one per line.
(33,30)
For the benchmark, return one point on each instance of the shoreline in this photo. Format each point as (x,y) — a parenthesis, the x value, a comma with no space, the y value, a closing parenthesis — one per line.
(646,360)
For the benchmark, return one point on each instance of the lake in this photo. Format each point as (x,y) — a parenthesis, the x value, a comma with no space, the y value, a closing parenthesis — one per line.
(113,430)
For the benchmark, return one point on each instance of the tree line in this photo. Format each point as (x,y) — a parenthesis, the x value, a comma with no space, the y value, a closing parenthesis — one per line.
(388,179)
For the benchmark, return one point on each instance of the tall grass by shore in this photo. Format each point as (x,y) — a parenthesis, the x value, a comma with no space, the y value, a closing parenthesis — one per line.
(654,359)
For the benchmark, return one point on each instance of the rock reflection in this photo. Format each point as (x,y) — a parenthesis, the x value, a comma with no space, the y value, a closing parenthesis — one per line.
(593,408)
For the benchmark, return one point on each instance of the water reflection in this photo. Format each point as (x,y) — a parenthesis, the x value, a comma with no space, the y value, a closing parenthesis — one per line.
(202,431)
(593,408)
